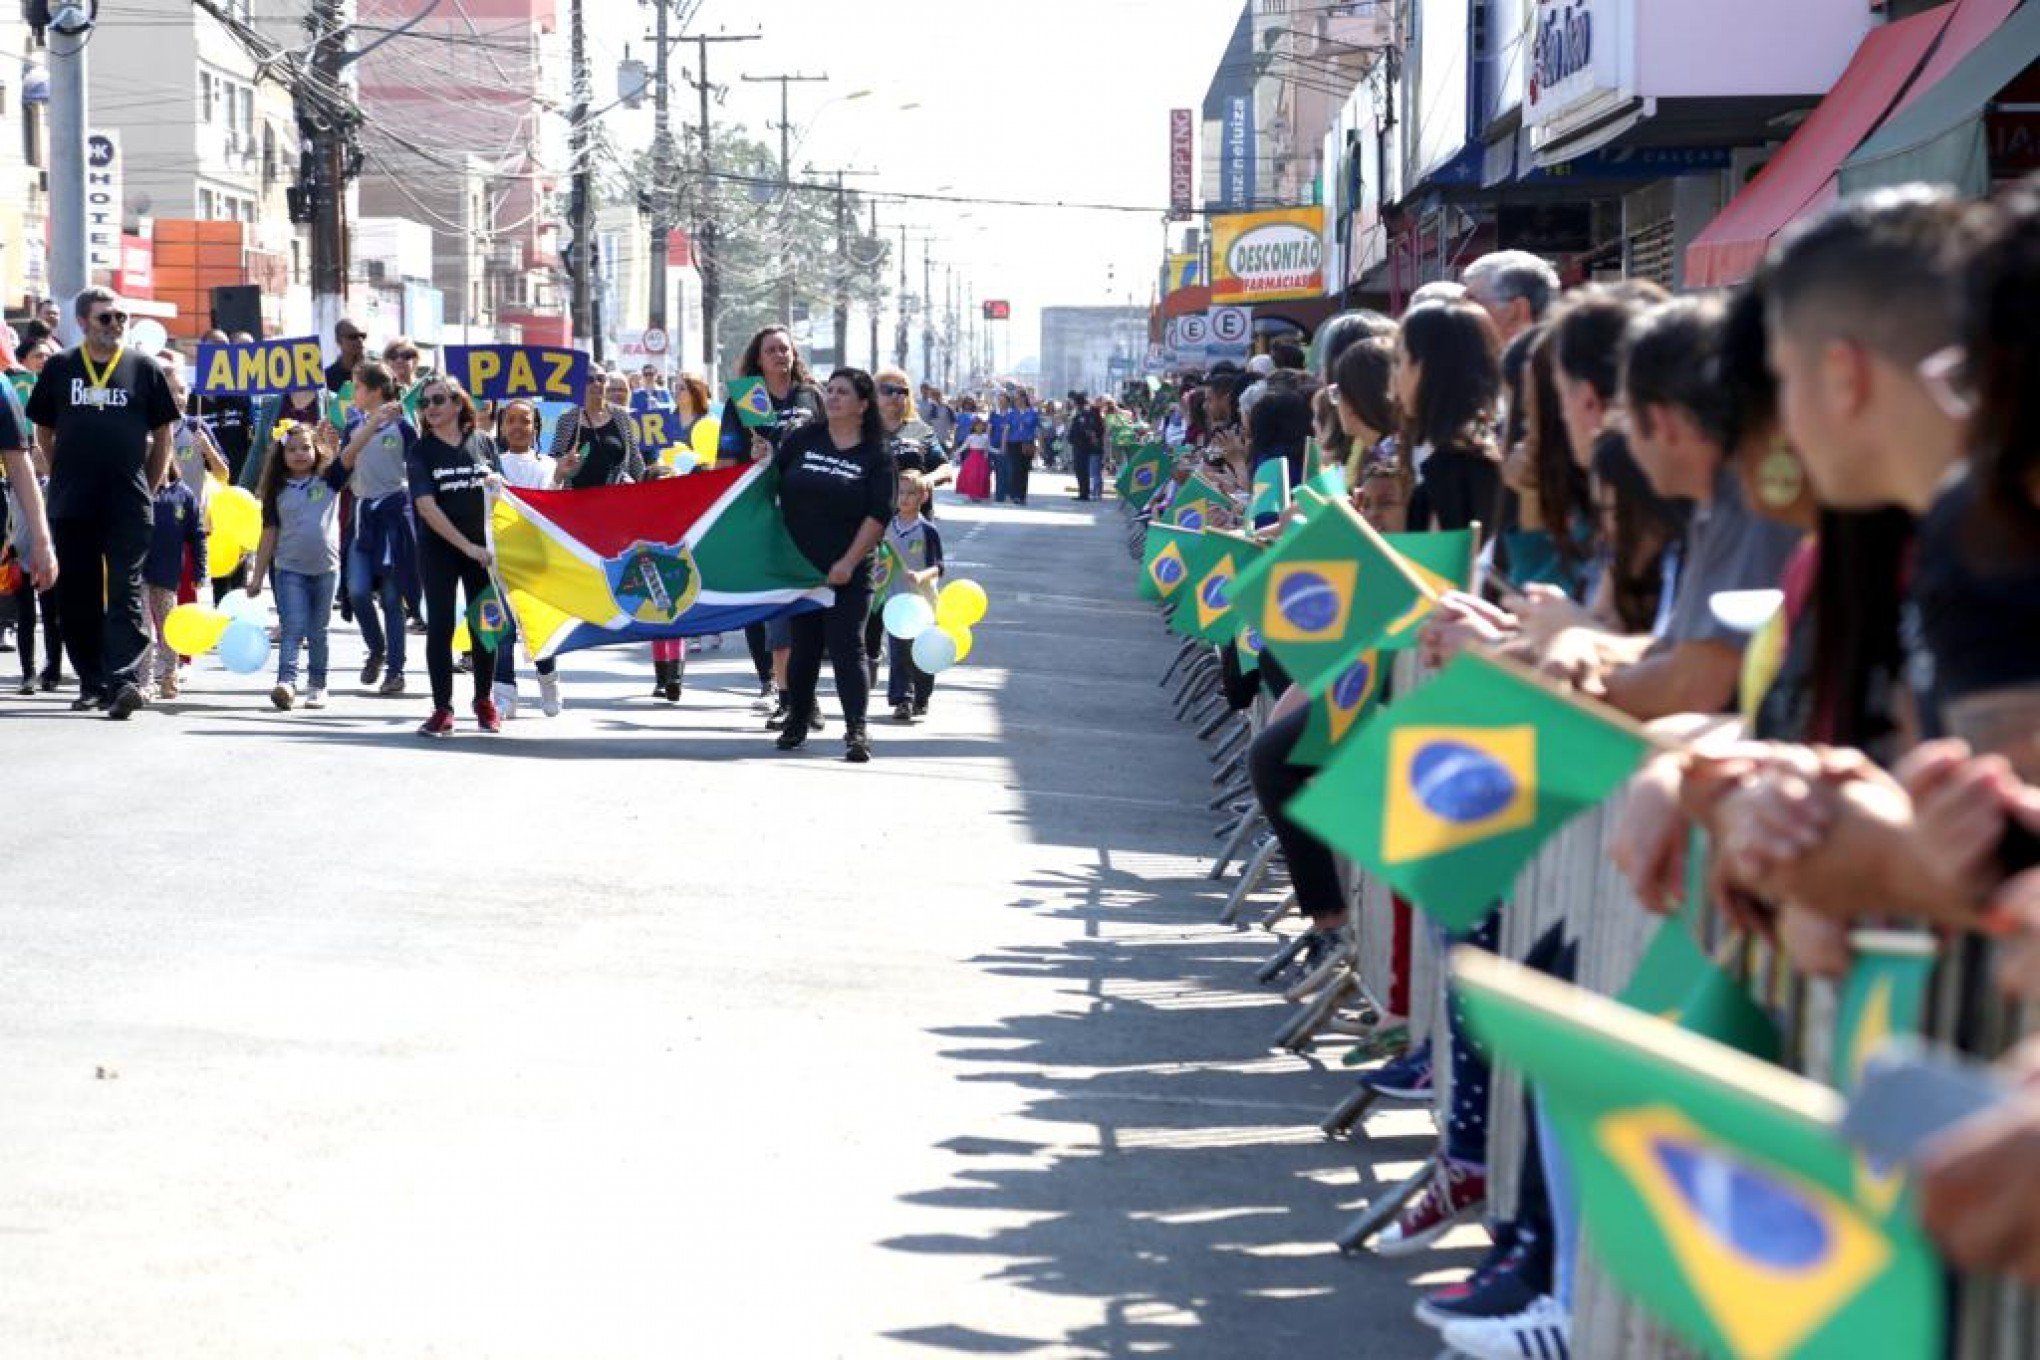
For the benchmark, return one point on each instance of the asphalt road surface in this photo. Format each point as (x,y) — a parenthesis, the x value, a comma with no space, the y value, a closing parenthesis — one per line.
(624,1035)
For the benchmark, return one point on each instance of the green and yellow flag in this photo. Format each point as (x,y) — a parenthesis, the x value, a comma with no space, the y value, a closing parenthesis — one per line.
(1884,996)
(1271,492)
(1163,566)
(1199,505)
(1434,563)
(1247,646)
(1714,1187)
(1144,474)
(1216,564)
(1449,791)
(1338,706)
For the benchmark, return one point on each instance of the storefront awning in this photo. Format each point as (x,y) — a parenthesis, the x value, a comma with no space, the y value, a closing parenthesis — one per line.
(1801,176)
(1939,137)
(1185,301)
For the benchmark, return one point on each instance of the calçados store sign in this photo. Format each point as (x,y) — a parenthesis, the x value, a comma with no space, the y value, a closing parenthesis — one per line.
(1264,256)
(1577,59)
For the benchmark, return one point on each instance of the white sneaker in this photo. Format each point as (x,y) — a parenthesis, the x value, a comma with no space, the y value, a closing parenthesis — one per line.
(316,699)
(549,695)
(506,700)
(1543,1329)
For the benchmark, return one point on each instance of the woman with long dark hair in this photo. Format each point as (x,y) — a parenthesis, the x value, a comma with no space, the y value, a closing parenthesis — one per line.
(450,474)
(796,403)
(1448,382)
(836,492)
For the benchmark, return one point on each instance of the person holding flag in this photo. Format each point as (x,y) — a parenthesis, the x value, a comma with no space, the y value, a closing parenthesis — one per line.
(450,473)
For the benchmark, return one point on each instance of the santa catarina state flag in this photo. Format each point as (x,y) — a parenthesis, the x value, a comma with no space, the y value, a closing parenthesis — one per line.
(1447,792)
(1714,1187)
(681,557)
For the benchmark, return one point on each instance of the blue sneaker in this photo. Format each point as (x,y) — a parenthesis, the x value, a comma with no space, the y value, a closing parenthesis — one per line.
(1407,1078)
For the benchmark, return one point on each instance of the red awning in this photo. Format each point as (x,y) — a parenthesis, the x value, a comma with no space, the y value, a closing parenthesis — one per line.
(1184,301)
(1801,177)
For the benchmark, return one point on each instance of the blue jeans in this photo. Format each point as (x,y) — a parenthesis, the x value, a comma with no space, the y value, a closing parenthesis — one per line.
(303,605)
(1098,475)
(1000,471)
(383,636)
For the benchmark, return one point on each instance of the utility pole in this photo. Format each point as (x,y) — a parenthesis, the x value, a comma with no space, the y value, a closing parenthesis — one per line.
(927,313)
(70,31)
(900,342)
(785,182)
(581,209)
(708,247)
(842,273)
(874,291)
(662,178)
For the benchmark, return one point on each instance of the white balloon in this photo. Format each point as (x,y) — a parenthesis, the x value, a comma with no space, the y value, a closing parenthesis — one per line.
(1745,610)
(236,604)
(148,335)
(934,651)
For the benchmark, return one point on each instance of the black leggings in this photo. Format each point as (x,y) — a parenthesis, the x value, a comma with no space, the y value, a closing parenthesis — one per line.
(838,630)
(1313,870)
(446,572)
(27,600)
(1022,456)
(761,655)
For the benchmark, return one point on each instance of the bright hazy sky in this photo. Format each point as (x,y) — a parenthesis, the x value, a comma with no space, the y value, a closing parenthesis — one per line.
(1056,100)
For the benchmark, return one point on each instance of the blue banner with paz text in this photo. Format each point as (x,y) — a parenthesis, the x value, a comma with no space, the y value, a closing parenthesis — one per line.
(260,368)
(534,372)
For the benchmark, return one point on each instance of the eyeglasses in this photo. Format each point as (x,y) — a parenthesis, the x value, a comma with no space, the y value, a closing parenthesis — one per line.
(409,356)
(349,337)
(888,390)
(109,318)
(1946,376)
(437,399)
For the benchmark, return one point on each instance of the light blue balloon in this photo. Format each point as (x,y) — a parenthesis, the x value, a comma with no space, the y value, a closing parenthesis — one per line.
(907,617)
(244,647)
(934,651)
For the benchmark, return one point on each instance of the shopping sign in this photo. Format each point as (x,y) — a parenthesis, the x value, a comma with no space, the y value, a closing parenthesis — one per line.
(1268,256)
(1182,165)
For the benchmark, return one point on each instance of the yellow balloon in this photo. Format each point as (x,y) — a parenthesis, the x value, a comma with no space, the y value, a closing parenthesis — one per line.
(962,603)
(222,555)
(194,629)
(461,641)
(961,636)
(237,515)
(706,435)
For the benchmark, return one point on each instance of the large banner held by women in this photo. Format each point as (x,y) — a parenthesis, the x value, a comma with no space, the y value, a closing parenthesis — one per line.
(680,557)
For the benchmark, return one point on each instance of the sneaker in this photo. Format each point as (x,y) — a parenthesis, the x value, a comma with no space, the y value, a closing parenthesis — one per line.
(27,685)
(505,696)
(85,703)
(778,718)
(903,713)
(792,738)
(317,698)
(549,695)
(921,709)
(393,683)
(486,716)
(1452,1195)
(814,720)
(371,669)
(49,679)
(1507,1280)
(283,696)
(767,694)
(440,724)
(1407,1078)
(856,745)
(125,701)
(465,663)
(1542,1329)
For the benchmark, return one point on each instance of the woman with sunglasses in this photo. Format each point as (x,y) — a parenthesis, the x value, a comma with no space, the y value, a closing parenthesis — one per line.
(595,444)
(836,492)
(450,469)
(796,403)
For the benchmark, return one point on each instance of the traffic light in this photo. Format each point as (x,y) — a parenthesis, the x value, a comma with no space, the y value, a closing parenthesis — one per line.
(998,310)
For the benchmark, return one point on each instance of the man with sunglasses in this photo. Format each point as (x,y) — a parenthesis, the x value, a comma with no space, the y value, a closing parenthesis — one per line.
(104,421)
(353,344)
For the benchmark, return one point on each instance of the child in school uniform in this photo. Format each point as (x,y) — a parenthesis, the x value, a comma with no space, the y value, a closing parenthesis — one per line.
(917,568)
(179,528)
(300,496)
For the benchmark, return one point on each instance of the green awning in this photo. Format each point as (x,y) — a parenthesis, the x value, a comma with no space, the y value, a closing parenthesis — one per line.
(1939,138)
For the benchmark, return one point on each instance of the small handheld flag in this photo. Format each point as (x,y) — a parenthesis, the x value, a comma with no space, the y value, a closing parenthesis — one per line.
(1271,492)
(1164,568)
(1337,708)
(753,402)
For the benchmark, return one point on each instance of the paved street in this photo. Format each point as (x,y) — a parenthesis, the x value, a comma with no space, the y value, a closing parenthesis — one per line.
(624,1035)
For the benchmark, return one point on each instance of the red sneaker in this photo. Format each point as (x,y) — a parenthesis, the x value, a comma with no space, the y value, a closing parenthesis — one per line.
(440,724)
(1452,1195)
(486,716)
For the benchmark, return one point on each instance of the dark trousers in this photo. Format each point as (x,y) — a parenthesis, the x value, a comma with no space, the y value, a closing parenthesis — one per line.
(875,637)
(99,586)
(446,575)
(1022,460)
(1084,460)
(839,631)
(761,655)
(904,680)
(1313,870)
(27,601)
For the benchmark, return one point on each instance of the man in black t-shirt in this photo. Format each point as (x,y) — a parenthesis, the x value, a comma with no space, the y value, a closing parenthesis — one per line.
(103,419)
(353,342)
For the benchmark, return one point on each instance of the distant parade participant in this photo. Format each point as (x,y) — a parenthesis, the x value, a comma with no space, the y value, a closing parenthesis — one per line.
(104,419)
(449,468)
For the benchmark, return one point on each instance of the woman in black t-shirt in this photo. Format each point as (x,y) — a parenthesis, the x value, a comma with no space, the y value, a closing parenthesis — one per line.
(595,443)
(450,474)
(836,483)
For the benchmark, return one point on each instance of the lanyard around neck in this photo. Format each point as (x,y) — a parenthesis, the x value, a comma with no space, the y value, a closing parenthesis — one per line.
(100,377)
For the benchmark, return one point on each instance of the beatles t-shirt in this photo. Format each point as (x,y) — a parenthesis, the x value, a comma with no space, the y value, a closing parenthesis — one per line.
(454,475)
(103,433)
(826,493)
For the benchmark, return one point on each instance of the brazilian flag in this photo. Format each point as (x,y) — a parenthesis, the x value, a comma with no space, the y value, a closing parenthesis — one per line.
(1247,646)
(1434,563)
(488,621)
(1449,791)
(1271,492)
(1884,996)
(1215,565)
(1200,505)
(1337,707)
(1714,1187)
(1163,566)
(1144,474)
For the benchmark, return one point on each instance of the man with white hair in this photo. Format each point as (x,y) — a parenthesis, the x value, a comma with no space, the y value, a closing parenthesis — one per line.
(1514,287)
